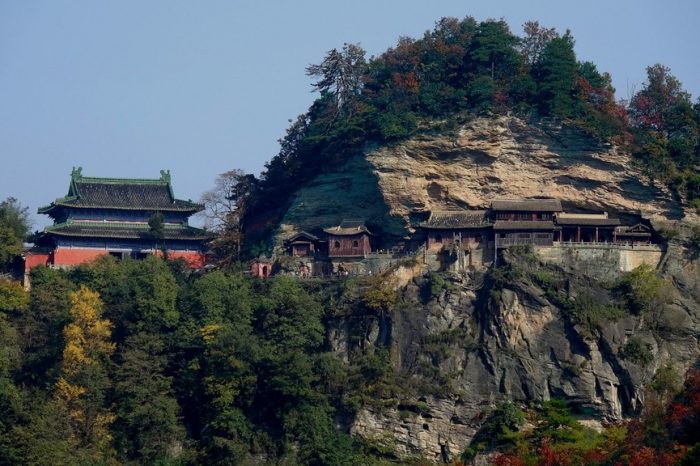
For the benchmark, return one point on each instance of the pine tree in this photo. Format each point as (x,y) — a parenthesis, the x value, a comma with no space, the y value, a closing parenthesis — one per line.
(555,74)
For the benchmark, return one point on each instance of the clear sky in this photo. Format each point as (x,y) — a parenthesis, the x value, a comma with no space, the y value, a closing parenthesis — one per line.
(126,88)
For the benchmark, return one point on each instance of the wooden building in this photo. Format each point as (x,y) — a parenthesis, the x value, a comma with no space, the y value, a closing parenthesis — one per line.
(349,239)
(587,228)
(110,216)
(303,244)
(520,222)
(634,234)
(449,229)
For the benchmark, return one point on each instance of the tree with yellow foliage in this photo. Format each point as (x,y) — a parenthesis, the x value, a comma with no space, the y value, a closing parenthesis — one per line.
(80,391)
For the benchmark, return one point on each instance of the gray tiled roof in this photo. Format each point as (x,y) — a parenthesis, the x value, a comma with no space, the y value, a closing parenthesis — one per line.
(347,228)
(608,222)
(456,219)
(527,205)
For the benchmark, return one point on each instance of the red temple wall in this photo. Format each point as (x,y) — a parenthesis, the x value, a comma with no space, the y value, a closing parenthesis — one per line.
(32,260)
(75,256)
(194,259)
(346,247)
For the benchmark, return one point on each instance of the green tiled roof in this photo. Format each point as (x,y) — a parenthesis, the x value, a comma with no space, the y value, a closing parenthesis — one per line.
(125,231)
(122,193)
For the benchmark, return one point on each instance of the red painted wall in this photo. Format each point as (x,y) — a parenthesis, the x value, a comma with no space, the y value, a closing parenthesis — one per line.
(194,259)
(346,245)
(260,269)
(74,256)
(65,257)
(32,260)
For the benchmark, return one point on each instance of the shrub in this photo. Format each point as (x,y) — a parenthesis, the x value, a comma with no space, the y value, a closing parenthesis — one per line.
(637,351)
(643,289)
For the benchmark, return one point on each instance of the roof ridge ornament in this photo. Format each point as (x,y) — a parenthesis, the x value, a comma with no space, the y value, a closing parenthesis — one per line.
(76,173)
(165,175)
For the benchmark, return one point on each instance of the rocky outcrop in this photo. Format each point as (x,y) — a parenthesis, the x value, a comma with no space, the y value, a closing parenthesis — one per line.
(466,349)
(485,158)
(513,158)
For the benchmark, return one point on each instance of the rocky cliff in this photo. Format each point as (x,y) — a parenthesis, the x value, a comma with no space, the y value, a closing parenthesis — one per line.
(483,159)
(479,340)
(475,340)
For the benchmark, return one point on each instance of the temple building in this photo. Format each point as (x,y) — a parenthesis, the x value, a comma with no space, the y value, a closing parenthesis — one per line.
(349,239)
(102,216)
(458,237)
(529,221)
(634,234)
(587,228)
(456,228)
(303,244)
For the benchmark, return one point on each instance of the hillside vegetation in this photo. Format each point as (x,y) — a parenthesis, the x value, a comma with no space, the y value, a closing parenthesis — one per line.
(462,68)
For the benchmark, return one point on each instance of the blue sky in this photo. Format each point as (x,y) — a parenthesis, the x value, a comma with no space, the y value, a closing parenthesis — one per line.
(126,88)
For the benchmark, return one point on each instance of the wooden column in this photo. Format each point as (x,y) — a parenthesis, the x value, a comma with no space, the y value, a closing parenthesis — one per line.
(596,234)
(578,234)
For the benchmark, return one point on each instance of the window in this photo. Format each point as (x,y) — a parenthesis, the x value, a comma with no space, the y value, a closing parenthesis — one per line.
(355,244)
(336,244)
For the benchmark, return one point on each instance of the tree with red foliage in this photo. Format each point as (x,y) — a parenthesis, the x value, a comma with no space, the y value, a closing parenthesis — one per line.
(653,107)
(509,459)
(535,40)
(550,457)
(684,414)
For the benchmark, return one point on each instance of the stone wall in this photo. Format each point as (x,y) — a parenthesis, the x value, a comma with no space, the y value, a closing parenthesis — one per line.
(600,261)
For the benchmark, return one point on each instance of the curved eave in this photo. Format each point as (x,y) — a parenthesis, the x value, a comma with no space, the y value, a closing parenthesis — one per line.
(124,231)
(125,235)
(193,208)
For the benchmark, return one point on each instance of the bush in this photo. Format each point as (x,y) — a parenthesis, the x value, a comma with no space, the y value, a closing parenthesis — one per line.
(499,431)
(637,351)
(643,289)
(435,284)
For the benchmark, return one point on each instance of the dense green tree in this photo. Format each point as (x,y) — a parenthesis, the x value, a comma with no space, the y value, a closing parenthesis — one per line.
(147,427)
(11,299)
(41,326)
(14,228)
(493,50)
(555,73)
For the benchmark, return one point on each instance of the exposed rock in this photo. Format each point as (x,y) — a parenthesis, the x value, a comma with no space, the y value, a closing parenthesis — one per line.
(513,344)
(484,159)
(508,157)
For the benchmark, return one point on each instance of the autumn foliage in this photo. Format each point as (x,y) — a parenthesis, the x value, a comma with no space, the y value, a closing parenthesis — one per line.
(666,434)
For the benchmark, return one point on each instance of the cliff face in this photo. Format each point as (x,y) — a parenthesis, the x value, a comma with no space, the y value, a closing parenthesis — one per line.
(474,344)
(483,159)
